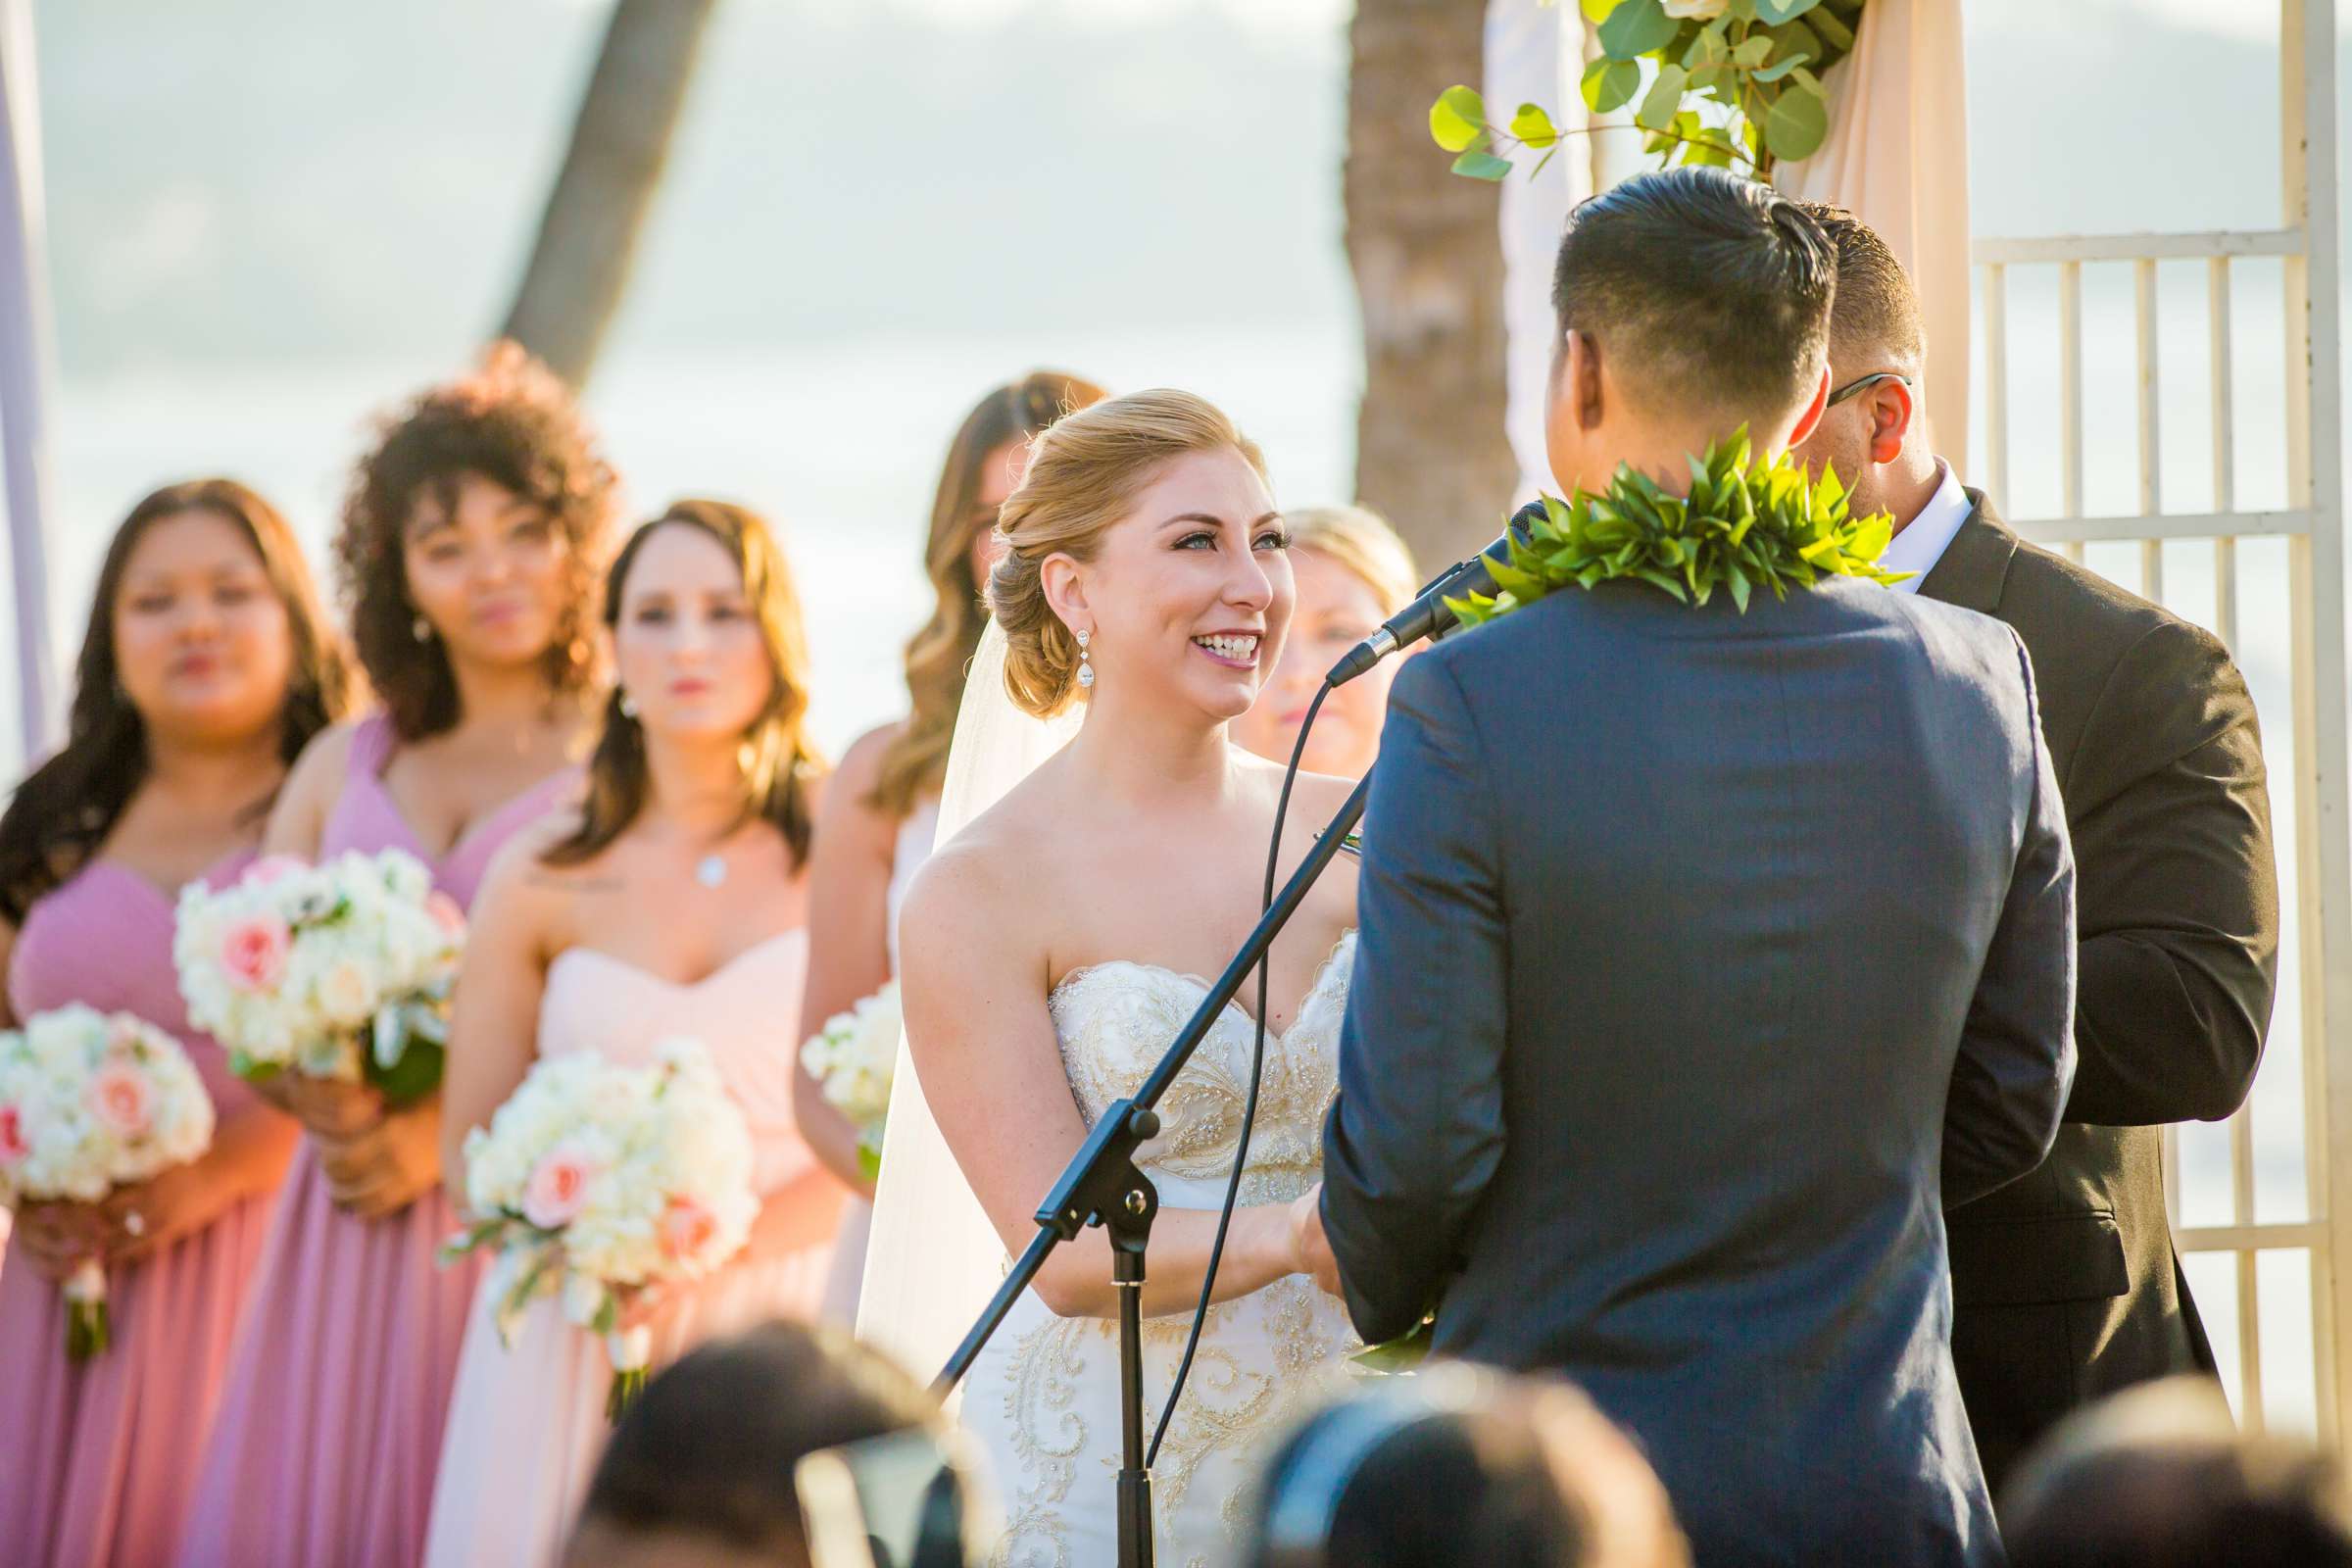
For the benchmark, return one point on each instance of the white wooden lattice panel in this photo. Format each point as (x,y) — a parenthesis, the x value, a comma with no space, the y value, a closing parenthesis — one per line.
(2273,1285)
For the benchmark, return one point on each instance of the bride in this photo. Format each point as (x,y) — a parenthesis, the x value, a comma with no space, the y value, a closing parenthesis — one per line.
(1051,951)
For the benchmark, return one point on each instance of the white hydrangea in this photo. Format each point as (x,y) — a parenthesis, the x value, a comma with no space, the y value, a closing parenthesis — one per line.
(601,1177)
(295,966)
(91,1101)
(854,1058)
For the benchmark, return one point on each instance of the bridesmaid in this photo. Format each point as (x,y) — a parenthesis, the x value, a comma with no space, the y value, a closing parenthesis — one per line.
(469,552)
(1353,573)
(878,818)
(206,666)
(676,903)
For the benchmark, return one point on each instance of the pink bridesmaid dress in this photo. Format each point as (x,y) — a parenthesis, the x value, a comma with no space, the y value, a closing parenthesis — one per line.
(325,1448)
(97,1461)
(527,1423)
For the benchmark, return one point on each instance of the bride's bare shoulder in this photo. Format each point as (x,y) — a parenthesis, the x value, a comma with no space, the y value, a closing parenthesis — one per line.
(985,878)
(1315,796)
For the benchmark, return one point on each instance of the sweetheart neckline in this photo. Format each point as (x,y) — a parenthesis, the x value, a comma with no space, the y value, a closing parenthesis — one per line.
(473,833)
(1323,973)
(631,966)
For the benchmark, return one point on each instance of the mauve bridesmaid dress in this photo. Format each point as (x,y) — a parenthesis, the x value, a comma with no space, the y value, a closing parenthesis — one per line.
(97,1462)
(326,1444)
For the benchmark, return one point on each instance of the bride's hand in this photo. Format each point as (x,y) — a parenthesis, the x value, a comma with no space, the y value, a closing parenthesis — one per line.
(1310,1248)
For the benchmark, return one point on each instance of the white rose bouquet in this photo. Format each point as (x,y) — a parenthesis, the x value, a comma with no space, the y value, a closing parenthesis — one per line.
(340,971)
(852,1059)
(90,1102)
(601,1180)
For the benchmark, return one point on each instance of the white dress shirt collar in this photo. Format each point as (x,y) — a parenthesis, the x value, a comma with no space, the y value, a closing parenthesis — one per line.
(1918,548)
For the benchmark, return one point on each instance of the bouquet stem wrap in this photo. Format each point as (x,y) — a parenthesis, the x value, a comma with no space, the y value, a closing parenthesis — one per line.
(630,1351)
(89,1330)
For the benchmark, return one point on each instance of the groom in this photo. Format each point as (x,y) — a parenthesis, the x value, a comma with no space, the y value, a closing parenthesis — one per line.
(1706,958)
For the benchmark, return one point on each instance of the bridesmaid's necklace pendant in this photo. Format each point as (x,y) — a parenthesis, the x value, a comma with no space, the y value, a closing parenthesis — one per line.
(710,870)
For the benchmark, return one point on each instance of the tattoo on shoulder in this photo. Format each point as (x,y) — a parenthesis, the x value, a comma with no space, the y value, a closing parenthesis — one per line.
(570,882)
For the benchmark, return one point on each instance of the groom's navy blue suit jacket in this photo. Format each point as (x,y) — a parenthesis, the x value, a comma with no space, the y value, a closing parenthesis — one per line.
(1706,959)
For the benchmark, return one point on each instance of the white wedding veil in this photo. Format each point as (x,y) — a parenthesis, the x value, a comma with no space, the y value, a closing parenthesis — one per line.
(934,1259)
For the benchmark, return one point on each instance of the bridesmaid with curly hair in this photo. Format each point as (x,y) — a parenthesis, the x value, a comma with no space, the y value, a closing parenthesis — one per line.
(471,543)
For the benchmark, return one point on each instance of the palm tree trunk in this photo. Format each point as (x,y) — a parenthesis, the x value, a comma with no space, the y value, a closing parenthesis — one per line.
(1431,450)
(595,218)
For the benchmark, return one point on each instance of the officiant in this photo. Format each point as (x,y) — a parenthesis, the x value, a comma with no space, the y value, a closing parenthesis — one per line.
(2066,1285)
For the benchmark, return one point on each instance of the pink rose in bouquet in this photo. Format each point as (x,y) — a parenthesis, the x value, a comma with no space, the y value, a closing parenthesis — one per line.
(123,1098)
(88,1104)
(558,1189)
(253,952)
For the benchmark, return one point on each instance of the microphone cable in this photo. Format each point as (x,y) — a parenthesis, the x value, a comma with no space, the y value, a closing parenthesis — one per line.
(1257,1070)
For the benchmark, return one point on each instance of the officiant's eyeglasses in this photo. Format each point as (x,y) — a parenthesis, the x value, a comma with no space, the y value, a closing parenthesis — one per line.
(1862,384)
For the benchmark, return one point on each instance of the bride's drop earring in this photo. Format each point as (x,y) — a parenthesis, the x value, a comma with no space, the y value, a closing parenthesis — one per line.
(1086,668)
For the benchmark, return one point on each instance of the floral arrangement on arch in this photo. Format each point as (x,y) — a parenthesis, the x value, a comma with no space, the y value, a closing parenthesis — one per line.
(1732,83)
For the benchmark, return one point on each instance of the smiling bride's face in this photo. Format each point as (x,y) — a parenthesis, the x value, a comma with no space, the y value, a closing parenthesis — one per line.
(1189,595)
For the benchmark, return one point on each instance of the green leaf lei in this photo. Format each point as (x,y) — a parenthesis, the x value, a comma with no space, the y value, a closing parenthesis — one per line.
(1745,524)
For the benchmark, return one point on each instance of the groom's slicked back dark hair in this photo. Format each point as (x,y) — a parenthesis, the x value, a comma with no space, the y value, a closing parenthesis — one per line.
(1706,293)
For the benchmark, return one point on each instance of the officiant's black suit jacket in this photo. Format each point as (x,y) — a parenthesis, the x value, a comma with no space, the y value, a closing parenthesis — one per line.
(2066,1283)
(1703,956)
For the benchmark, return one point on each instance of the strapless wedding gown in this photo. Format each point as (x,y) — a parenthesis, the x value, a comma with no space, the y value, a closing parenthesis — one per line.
(1043,1401)
(527,1424)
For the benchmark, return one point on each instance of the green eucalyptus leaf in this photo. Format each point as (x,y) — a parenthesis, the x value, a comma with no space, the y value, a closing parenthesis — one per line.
(1753,51)
(1532,127)
(1795,38)
(1710,149)
(1482,166)
(1782,67)
(1636,27)
(1832,27)
(1457,120)
(1795,124)
(1775,12)
(1658,110)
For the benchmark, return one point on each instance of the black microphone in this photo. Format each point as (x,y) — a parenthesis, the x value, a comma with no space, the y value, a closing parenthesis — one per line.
(1427,619)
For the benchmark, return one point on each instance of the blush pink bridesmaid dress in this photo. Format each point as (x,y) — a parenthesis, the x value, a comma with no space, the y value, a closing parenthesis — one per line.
(527,1424)
(97,1462)
(326,1445)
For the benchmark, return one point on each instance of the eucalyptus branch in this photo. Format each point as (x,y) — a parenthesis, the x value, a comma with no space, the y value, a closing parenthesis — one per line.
(1497,135)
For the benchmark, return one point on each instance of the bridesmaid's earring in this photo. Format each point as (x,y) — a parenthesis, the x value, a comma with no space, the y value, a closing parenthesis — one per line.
(1086,668)
(420,628)
(628,706)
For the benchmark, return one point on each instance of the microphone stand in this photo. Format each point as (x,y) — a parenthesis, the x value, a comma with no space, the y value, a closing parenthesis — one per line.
(1101,1186)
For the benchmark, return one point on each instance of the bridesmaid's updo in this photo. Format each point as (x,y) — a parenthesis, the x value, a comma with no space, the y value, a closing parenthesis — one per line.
(1084,475)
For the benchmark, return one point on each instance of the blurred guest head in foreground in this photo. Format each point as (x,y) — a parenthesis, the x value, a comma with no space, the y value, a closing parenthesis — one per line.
(702,1471)
(1353,573)
(1463,1466)
(2159,1477)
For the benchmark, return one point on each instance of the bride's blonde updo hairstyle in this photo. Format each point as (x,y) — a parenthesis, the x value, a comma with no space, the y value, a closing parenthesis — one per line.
(1084,475)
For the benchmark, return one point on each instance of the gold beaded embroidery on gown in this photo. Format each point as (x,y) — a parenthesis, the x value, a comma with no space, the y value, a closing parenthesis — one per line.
(1043,1399)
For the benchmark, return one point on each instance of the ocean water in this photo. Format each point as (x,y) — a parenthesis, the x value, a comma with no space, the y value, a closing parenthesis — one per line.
(838,445)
